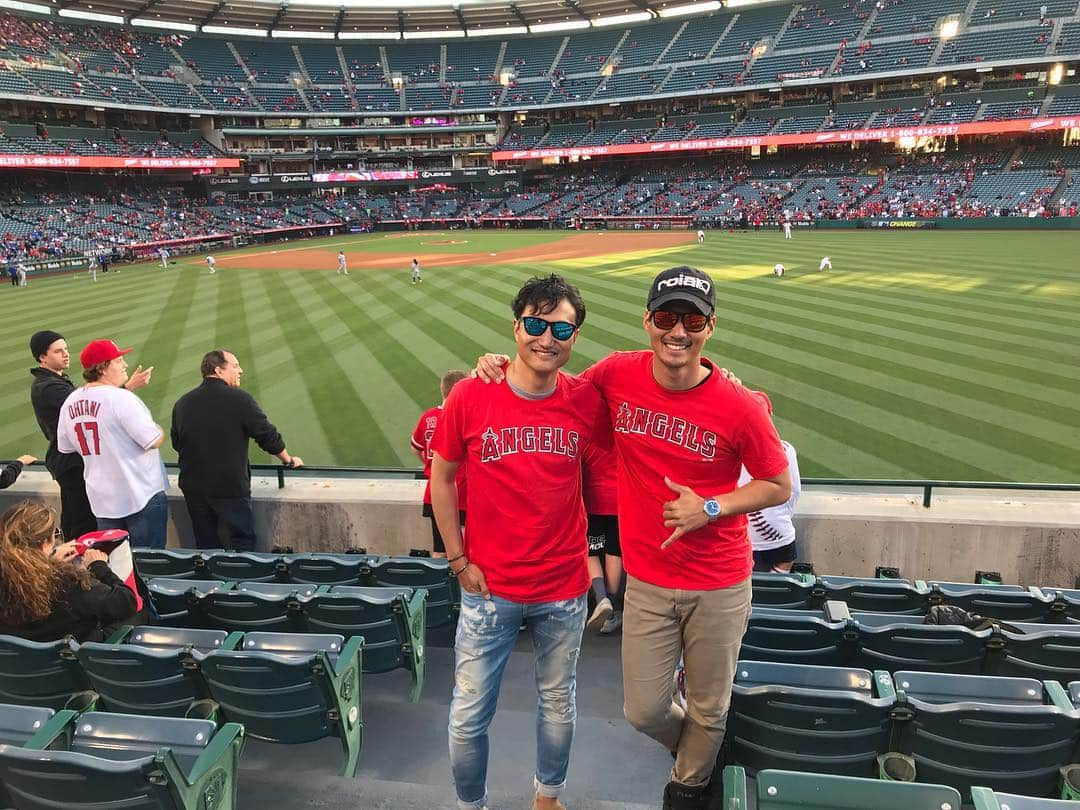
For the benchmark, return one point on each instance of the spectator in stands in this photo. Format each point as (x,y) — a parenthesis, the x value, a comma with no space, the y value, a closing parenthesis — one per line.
(50,388)
(772,531)
(113,431)
(688,559)
(11,471)
(44,596)
(523,552)
(211,427)
(420,443)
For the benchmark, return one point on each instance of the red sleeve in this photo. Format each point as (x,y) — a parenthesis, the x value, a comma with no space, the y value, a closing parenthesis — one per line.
(601,435)
(417,439)
(759,444)
(449,440)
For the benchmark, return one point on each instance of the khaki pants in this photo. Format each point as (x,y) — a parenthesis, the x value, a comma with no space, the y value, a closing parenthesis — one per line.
(706,629)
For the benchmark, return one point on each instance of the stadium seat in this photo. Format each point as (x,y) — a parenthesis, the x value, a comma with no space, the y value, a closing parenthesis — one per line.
(42,674)
(255,606)
(809,718)
(789,591)
(153,673)
(326,569)
(874,595)
(795,637)
(242,567)
(172,563)
(117,760)
(1010,603)
(177,600)
(295,694)
(1043,651)
(787,790)
(892,642)
(1010,734)
(20,724)
(433,575)
(986,799)
(391,620)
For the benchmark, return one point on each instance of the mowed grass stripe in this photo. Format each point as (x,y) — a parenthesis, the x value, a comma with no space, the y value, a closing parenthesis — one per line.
(324,377)
(232,330)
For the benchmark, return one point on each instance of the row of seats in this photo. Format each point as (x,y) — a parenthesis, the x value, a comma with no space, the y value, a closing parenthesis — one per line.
(1010,734)
(364,570)
(281,687)
(390,620)
(51,759)
(783,790)
(900,641)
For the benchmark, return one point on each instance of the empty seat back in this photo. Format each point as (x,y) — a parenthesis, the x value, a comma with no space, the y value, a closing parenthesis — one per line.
(780,590)
(247,611)
(242,567)
(177,600)
(433,575)
(1009,603)
(172,563)
(1041,651)
(794,637)
(36,673)
(893,642)
(326,569)
(124,737)
(142,680)
(19,723)
(876,595)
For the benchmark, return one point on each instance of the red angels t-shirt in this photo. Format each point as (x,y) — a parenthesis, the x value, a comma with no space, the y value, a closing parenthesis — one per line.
(598,480)
(421,440)
(699,437)
(524,520)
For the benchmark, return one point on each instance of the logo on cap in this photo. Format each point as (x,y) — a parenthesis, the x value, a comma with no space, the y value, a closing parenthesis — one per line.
(685,281)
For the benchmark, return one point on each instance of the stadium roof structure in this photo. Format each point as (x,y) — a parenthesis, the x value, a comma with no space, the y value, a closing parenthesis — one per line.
(369,19)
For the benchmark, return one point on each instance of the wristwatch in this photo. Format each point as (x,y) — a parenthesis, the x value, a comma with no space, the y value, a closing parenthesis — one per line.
(712,508)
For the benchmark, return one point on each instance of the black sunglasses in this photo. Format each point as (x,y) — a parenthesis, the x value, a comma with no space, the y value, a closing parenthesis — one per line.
(691,321)
(560,330)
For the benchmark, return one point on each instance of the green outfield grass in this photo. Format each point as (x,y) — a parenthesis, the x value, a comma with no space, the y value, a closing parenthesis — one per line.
(949,355)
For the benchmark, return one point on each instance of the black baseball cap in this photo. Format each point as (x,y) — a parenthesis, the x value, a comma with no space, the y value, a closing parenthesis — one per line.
(683,284)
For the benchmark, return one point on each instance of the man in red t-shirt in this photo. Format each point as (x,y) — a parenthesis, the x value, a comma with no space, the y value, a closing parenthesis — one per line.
(523,551)
(420,444)
(683,429)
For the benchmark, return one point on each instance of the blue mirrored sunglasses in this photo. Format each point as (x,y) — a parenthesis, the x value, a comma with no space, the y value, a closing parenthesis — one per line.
(560,330)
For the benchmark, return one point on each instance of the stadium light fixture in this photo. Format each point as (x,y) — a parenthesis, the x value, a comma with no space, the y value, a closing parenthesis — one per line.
(33,8)
(622,19)
(277,34)
(165,25)
(444,34)
(237,31)
(76,14)
(494,32)
(369,35)
(693,8)
(1056,74)
(567,25)
(949,28)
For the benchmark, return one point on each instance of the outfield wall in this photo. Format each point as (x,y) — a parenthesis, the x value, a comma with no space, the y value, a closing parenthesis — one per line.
(1030,537)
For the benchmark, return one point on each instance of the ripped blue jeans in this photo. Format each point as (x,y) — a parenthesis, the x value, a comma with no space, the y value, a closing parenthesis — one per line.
(486,633)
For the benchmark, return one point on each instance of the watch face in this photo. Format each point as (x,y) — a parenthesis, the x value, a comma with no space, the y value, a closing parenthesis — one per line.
(712,507)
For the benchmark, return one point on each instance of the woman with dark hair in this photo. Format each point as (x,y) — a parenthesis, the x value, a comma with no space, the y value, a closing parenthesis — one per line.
(44,596)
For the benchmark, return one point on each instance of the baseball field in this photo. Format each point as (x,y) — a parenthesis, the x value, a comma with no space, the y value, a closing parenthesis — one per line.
(952,355)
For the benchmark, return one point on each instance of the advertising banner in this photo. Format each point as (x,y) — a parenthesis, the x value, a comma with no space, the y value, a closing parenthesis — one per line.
(95,162)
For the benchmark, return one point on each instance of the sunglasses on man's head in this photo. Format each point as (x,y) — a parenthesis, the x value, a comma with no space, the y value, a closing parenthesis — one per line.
(691,321)
(560,330)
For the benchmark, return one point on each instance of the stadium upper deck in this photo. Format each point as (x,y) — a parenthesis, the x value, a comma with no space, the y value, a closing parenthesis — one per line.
(756,46)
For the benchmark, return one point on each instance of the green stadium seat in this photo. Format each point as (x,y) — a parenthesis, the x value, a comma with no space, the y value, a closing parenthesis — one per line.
(809,718)
(116,760)
(294,694)
(1010,734)
(172,563)
(391,620)
(153,673)
(986,799)
(1043,651)
(874,595)
(326,569)
(19,724)
(1010,603)
(787,790)
(242,566)
(902,641)
(177,600)
(795,637)
(433,575)
(255,607)
(790,591)
(46,674)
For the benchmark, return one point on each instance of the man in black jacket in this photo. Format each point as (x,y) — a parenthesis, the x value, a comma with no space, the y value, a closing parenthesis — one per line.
(211,426)
(50,388)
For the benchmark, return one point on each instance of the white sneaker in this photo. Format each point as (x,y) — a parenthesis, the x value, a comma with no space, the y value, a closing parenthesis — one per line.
(601,613)
(612,624)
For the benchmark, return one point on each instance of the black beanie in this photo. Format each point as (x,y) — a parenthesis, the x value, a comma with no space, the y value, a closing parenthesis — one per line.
(41,341)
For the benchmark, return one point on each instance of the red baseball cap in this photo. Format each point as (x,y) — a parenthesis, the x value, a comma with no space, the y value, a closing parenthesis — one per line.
(100,351)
